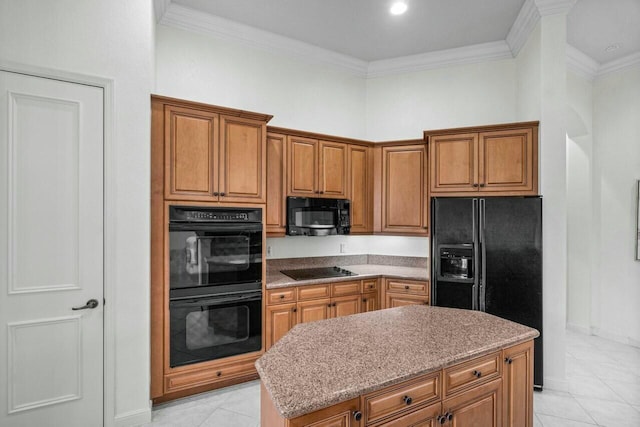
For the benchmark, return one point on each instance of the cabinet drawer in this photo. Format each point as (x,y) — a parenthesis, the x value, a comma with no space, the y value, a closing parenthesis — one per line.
(185,380)
(369,285)
(312,292)
(408,287)
(278,296)
(471,373)
(404,397)
(345,288)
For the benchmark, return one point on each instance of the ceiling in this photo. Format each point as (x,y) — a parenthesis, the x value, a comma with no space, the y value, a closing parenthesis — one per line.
(364,29)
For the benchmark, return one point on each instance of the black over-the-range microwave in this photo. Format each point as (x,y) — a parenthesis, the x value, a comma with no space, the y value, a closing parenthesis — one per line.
(314,216)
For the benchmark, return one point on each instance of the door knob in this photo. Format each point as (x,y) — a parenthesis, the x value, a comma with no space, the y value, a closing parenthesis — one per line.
(92,303)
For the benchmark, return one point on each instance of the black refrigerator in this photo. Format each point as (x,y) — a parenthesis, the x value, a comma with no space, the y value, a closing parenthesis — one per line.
(487,255)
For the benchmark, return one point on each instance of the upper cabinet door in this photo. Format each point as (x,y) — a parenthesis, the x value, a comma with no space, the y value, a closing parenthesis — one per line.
(332,169)
(303,161)
(191,153)
(404,192)
(508,161)
(360,188)
(242,160)
(453,163)
(275,218)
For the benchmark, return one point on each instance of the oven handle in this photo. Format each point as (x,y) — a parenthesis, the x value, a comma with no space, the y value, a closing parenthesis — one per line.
(213,227)
(195,302)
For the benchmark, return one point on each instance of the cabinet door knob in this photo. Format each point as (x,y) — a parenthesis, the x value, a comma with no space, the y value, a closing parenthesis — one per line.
(215,193)
(364,300)
(477,373)
(357,415)
(449,416)
(294,309)
(508,360)
(407,400)
(223,193)
(441,419)
(482,185)
(329,305)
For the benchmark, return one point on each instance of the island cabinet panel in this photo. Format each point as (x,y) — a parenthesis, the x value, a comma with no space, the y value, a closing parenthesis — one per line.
(404,190)
(423,417)
(275,219)
(488,160)
(469,374)
(402,398)
(480,406)
(280,319)
(360,169)
(518,385)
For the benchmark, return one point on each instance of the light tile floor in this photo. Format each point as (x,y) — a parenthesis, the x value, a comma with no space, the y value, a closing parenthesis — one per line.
(604,390)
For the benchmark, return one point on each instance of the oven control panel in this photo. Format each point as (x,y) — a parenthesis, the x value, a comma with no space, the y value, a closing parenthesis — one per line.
(207,214)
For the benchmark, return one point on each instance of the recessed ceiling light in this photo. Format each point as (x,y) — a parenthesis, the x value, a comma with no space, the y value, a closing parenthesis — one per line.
(398,7)
(612,47)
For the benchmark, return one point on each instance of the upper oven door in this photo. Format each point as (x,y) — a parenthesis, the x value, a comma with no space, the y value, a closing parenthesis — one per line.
(214,254)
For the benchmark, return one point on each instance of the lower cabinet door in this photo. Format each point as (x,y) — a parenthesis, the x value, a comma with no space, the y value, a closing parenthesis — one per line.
(345,306)
(310,311)
(370,302)
(425,417)
(478,407)
(279,319)
(345,414)
(518,385)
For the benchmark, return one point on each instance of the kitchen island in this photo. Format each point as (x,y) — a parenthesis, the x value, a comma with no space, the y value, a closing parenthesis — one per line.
(413,365)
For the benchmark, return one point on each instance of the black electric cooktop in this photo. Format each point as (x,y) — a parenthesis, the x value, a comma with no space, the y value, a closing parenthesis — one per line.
(317,273)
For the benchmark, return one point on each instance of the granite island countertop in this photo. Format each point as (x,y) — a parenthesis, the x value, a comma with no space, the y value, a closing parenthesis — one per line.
(319,364)
(276,279)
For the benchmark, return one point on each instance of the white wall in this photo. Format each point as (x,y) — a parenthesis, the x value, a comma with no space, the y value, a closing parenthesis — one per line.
(541,66)
(300,95)
(111,39)
(402,106)
(616,129)
(305,246)
(580,227)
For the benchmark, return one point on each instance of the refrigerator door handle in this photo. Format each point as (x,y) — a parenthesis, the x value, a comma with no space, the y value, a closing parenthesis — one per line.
(476,258)
(483,262)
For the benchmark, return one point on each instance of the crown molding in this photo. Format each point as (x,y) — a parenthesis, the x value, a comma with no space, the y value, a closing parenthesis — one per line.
(442,58)
(522,27)
(581,63)
(160,7)
(619,64)
(189,19)
(553,7)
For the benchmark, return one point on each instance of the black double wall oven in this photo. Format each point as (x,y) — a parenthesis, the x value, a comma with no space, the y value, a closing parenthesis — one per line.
(215,281)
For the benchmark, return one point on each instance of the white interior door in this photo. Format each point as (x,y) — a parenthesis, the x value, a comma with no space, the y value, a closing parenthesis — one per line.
(51,252)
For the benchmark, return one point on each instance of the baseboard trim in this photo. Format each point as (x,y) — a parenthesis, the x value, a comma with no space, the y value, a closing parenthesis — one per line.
(557,384)
(133,418)
(615,337)
(586,330)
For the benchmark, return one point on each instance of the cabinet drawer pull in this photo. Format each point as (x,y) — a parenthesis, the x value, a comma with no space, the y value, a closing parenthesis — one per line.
(364,300)
(407,400)
(282,296)
(294,310)
(406,286)
(477,373)
(219,373)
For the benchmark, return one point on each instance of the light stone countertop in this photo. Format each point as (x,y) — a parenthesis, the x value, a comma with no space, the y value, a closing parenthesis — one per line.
(319,364)
(276,280)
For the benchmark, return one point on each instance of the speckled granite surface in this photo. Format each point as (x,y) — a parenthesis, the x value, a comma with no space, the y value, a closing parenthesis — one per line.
(319,364)
(365,266)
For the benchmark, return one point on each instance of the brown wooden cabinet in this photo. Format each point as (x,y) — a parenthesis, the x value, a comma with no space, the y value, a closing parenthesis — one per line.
(518,385)
(401,292)
(313,310)
(317,168)
(279,320)
(490,160)
(404,199)
(202,155)
(360,168)
(275,220)
(480,406)
(212,153)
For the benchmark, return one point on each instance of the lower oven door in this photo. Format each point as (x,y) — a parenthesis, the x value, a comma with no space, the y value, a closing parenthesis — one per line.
(214,327)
